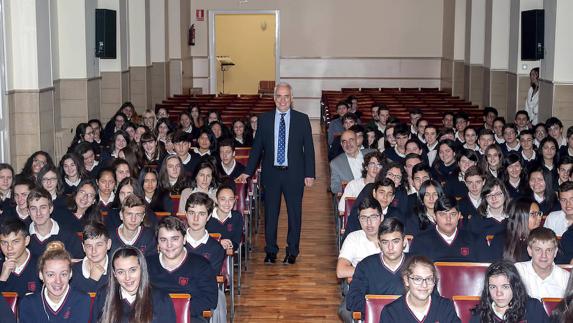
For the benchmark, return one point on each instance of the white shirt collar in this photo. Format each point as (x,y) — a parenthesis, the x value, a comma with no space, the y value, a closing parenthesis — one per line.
(432,147)
(216,215)
(197,151)
(187,160)
(128,242)
(18,270)
(93,166)
(86,270)
(22,216)
(173,267)
(475,202)
(528,159)
(54,231)
(109,200)
(195,243)
(229,170)
(449,239)
(538,199)
(516,148)
(125,295)
(189,129)
(399,153)
(70,183)
(55,306)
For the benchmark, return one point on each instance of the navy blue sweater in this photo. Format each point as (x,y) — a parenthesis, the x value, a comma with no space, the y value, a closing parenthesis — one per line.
(34,309)
(534,313)
(231,228)
(441,310)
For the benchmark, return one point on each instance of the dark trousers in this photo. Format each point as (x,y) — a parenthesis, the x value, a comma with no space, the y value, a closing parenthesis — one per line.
(292,190)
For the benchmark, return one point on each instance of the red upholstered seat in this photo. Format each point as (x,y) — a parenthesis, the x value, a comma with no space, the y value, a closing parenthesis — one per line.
(175,200)
(242,152)
(182,306)
(463,305)
(550,304)
(374,306)
(12,300)
(460,278)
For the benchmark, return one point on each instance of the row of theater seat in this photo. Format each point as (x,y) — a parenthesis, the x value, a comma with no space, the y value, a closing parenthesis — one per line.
(463,304)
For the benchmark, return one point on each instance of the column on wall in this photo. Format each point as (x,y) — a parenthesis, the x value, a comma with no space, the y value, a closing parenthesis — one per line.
(30,91)
(175,63)
(556,83)
(453,47)
(139,54)
(518,70)
(496,56)
(115,72)
(76,69)
(474,51)
(158,39)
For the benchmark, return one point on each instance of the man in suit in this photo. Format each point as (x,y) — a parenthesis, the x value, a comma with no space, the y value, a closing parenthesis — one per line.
(348,166)
(284,142)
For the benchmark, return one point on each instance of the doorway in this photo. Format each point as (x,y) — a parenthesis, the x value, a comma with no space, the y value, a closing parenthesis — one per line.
(250,41)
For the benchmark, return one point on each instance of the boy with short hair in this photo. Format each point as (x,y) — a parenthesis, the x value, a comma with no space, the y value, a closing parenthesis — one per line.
(176,270)
(560,221)
(189,160)
(19,271)
(92,272)
(132,232)
(228,167)
(45,229)
(541,277)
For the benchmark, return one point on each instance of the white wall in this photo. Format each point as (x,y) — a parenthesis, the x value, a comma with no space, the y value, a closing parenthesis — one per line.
(138,28)
(157,30)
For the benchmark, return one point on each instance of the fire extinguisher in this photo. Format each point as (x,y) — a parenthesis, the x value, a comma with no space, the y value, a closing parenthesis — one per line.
(191,36)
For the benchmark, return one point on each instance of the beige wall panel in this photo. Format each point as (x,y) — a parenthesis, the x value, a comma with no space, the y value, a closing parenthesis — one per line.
(546,100)
(476,84)
(459,79)
(93,97)
(563,108)
(498,93)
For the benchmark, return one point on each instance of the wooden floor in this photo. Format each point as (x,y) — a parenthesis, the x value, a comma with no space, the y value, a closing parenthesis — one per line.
(307,291)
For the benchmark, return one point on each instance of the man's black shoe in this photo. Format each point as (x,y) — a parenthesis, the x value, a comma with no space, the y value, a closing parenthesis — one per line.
(289,260)
(271,258)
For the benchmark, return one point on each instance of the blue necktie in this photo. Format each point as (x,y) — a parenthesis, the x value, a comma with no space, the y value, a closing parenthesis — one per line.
(282,141)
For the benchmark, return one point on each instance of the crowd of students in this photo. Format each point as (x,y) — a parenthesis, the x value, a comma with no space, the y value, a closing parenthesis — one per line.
(88,224)
(495,192)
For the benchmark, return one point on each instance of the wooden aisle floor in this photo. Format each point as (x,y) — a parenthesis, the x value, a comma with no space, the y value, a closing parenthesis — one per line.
(307,291)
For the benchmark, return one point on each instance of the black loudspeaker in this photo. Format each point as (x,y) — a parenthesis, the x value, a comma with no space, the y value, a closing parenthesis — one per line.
(105,46)
(532,28)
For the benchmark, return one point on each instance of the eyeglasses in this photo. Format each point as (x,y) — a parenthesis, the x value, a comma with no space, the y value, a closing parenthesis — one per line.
(377,165)
(492,196)
(394,176)
(39,161)
(48,180)
(420,281)
(370,218)
(83,193)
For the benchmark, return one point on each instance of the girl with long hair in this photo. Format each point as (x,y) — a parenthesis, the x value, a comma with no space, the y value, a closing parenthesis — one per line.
(35,163)
(424,217)
(57,301)
(72,170)
(171,175)
(195,112)
(419,303)
(492,212)
(82,208)
(162,128)
(129,296)
(157,198)
(541,186)
(492,161)
(445,165)
(241,135)
(514,175)
(49,178)
(504,298)
(152,152)
(205,180)
(106,188)
(548,156)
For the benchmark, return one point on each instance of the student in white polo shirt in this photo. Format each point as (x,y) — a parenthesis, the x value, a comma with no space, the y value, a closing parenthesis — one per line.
(542,278)
(559,221)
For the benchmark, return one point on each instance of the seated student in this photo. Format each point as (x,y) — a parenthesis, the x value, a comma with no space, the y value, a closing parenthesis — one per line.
(172,177)
(205,180)
(19,272)
(420,174)
(398,152)
(6,181)
(92,272)
(226,221)
(431,145)
(423,215)
(228,167)
(129,296)
(455,185)
(492,217)
(523,217)
(5,311)
(132,232)
(18,209)
(373,163)
(106,185)
(446,242)
(474,179)
(199,207)
(128,186)
(511,143)
(542,278)
(445,164)
(157,199)
(559,221)
(82,208)
(362,243)
(72,172)
(175,270)
(382,191)
(504,298)
(542,190)
(348,120)
(462,122)
(57,301)
(485,139)
(380,274)
(419,303)
(528,154)
(181,145)
(44,229)
(514,176)
(89,157)
(398,175)
(564,167)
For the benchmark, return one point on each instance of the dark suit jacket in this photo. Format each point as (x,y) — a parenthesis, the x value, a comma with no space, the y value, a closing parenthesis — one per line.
(300,148)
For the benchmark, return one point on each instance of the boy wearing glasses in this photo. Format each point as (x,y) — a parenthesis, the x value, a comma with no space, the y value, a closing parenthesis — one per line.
(132,232)
(542,278)
(44,229)
(446,242)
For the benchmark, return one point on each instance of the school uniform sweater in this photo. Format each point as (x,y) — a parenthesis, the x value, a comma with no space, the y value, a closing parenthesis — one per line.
(534,313)
(441,310)
(432,245)
(231,228)
(34,308)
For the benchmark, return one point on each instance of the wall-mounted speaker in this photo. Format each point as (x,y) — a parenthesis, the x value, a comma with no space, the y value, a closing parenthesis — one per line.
(532,29)
(105,24)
